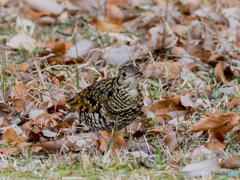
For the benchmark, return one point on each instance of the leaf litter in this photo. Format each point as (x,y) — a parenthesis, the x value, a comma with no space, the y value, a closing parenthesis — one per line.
(188,52)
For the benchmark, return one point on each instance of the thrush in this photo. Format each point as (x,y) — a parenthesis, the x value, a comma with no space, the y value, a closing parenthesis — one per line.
(111,103)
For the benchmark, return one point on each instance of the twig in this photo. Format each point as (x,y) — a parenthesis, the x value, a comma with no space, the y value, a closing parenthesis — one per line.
(164,26)
(39,72)
(3,77)
(77,77)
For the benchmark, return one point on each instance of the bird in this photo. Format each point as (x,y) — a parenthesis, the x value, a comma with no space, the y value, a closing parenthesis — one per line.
(111,103)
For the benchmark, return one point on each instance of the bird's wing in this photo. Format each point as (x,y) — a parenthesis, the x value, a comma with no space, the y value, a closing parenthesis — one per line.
(90,99)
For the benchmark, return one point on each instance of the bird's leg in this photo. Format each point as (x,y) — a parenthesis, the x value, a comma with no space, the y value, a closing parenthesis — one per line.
(98,134)
(110,140)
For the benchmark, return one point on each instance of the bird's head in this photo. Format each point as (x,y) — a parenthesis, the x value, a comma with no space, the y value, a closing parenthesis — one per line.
(129,76)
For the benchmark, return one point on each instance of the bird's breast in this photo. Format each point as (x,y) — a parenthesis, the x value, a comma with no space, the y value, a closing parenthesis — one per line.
(132,93)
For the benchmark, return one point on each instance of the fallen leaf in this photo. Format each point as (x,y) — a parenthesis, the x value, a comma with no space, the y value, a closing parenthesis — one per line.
(201,53)
(46,120)
(178,51)
(18,104)
(84,140)
(35,113)
(5,109)
(202,168)
(186,101)
(232,162)
(81,49)
(114,13)
(201,152)
(220,73)
(90,7)
(9,150)
(171,140)
(107,26)
(11,136)
(35,15)
(49,134)
(58,46)
(18,67)
(27,125)
(56,60)
(234,102)
(45,5)
(155,131)
(37,149)
(119,3)
(116,142)
(22,41)
(118,55)
(215,141)
(222,123)
(61,144)
(20,90)
(165,106)
(179,29)
(5,122)
(170,70)
(47,20)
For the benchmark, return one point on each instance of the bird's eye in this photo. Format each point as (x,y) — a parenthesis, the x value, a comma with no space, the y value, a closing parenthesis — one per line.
(124,74)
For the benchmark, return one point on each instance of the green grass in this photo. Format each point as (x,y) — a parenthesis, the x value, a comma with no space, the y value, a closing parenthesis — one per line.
(70,166)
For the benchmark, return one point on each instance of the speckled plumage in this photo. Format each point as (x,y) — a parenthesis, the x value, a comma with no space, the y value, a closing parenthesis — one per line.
(111,103)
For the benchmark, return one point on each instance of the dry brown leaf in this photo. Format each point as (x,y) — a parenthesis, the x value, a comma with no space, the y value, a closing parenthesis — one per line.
(56,60)
(201,53)
(117,2)
(234,102)
(35,15)
(58,45)
(222,123)
(19,104)
(180,30)
(27,125)
(232,162)
(37,149)
(220,73)
(11,136)
(117,143)
(165,106)
(18,67)
(107,26)
(178,51)
(171,140)
(9,150)
(47,120)
(5,122)
(56,145)
(171,70)
(215,141)
(20,90)
(61,125)
(155,132)
(5,109)
(114,13)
